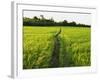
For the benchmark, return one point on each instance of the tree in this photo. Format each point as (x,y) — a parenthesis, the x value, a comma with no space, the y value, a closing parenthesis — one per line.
(65,23)
(42,17)
(36,21)
(35,18)
(72,23)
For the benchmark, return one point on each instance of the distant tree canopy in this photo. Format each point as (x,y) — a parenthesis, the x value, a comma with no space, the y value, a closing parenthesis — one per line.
(42,21)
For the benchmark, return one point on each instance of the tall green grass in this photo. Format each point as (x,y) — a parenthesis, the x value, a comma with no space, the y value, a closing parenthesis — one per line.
(75,47)
(38,44)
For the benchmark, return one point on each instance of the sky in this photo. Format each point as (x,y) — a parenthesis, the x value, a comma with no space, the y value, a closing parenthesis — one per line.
(77,17)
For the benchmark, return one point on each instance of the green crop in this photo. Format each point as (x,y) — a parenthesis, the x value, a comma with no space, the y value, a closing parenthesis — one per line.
(39,43)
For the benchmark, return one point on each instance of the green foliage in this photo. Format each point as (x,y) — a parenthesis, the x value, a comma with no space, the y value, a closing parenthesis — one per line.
(38,45)
(35,21)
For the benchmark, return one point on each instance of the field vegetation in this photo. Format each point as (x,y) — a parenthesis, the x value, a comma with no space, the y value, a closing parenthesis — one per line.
(59,46)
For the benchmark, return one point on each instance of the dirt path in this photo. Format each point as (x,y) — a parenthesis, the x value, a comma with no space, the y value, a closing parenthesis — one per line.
(56,51)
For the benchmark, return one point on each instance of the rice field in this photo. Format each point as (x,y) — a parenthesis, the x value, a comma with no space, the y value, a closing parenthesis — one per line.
(39,45)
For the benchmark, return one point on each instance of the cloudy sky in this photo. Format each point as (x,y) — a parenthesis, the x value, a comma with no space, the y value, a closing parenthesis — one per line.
(77,17)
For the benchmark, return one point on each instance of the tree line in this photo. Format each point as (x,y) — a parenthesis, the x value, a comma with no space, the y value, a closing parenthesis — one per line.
(42,21)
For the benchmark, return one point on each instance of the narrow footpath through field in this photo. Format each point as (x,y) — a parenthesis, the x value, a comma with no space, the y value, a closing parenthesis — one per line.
(56,50)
